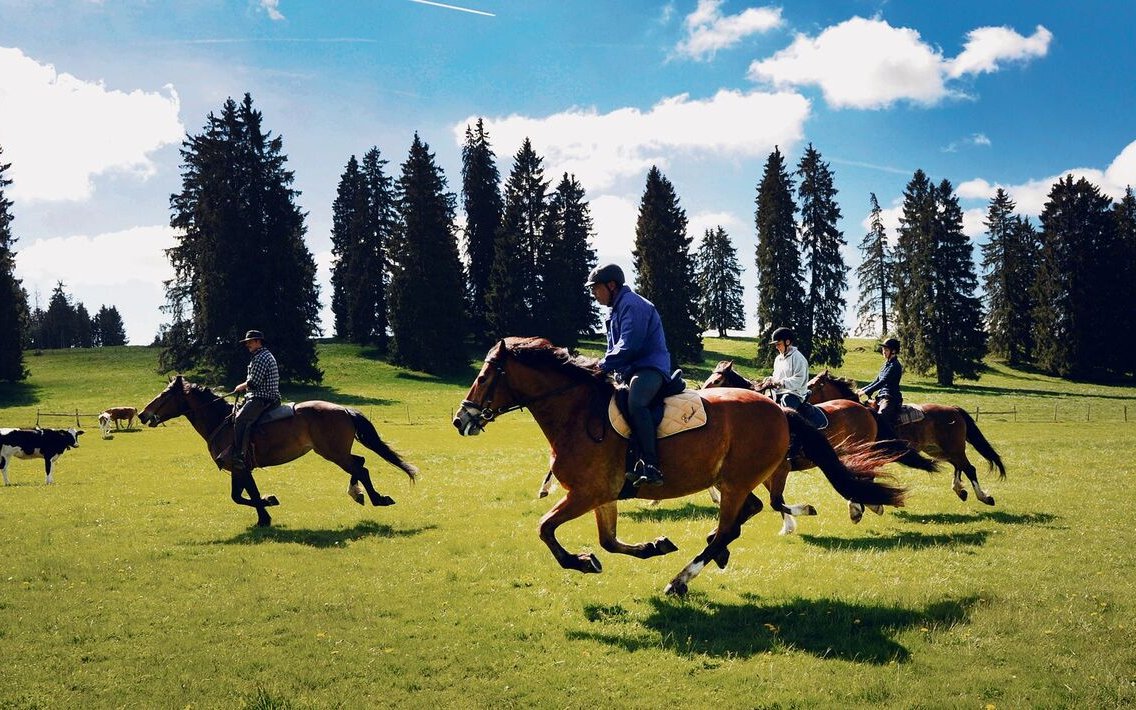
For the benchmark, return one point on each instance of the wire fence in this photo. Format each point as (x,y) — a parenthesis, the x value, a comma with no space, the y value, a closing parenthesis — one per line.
(1056,412)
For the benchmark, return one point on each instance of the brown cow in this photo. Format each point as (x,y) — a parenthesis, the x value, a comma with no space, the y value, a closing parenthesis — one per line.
(116,415)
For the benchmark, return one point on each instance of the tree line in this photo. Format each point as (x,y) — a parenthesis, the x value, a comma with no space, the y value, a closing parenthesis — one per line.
(418,288)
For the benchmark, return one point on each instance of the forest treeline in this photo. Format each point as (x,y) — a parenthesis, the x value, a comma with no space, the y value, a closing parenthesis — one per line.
(427,291)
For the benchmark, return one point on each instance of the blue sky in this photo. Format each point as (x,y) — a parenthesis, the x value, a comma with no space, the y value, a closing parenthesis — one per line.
(96,96)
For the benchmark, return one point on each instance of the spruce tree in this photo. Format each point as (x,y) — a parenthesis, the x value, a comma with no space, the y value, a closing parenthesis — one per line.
(84,327)
(959,342)
(1071,310)
(59,320)
(1124,218)
(426,309)
(1009,263)
(821,327)
(719,279)
(914,274)
(240,261)
(13,298)
(110,329)
(481,196)
(519,249)
(780,294)
(664,266)
(568,257)
(876,276)
(347,224)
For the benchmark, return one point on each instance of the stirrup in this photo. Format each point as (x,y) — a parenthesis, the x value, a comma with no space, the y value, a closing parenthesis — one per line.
(645,474)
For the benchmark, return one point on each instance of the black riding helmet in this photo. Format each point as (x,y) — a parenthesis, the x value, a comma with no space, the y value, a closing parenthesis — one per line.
(605,273)
(781,333)
(892,344)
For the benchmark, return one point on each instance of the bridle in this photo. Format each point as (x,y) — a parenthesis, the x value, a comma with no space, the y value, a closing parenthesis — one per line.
(486,412)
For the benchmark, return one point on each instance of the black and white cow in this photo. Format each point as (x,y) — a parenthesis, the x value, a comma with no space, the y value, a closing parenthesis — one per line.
(46,444)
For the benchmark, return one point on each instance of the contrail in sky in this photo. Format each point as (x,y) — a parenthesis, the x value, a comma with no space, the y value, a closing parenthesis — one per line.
(454,7)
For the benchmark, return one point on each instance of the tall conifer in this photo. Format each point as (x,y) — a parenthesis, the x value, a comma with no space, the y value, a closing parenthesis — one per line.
(481,195)
(13,298)
(1009,262)
(780,294)
(876,276)
(959,342)
(664,266)
(719,279)
(821,327)
(914,273)
(567,258)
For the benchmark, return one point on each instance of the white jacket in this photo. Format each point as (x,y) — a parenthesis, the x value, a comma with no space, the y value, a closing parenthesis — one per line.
(791,373)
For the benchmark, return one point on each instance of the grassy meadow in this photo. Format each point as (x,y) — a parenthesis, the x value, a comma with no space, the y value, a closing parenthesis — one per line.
(133,581)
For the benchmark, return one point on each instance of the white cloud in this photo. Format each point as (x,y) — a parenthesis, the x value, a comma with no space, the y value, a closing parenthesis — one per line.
(603,148)
(122,269)
(974,139)
(708,30)
(987,46)
(272,7)
(868,64)
(59,131)
(1030,197)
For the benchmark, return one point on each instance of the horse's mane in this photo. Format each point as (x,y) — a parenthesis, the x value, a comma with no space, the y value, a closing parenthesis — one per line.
(541,354)
(846,385)
(725,368)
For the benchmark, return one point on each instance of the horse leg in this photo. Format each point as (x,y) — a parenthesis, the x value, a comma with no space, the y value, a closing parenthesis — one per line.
(570,507)
(956,483)
(750,508)
(243,481)
(546,487)
(729,528)
(972,474)
(363,476)
(776,487)
(606,516)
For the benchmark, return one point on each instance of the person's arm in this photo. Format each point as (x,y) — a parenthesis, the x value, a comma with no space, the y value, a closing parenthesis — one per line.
(796,373)
(632,332)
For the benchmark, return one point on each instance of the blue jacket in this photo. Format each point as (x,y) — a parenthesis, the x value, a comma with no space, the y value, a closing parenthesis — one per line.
(635,337)
(887,382)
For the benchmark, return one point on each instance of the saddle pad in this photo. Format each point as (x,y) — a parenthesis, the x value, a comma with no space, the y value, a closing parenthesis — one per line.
(681,412)
(284,411)
(909,413)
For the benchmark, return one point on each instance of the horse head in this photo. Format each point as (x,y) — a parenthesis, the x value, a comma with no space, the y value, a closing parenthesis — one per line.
(170,403)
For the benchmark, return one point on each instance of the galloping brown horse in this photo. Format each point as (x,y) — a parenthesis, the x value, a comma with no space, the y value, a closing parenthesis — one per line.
(328,429)
(942,434)
(743,442)
(849,425)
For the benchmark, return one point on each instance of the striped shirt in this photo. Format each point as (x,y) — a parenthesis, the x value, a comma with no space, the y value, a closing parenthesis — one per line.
(263,375)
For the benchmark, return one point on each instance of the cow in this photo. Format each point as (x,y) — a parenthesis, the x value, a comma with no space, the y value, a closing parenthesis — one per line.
(116,415)
(47,444)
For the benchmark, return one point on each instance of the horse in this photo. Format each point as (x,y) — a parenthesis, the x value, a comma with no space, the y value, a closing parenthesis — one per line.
(849,425)
(942,434)
(326,428)
(743,442)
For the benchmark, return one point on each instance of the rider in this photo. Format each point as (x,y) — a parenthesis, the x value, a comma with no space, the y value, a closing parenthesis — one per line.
(886,386)
(637,354)
(263,388)
(788,384)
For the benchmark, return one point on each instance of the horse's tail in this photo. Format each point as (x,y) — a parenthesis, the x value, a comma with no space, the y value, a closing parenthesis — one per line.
(854,477)
(368,436)
(980,444)
(902,453)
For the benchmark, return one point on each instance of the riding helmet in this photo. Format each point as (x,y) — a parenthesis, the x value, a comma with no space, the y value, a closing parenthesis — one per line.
(605,273)
(892,344)
(781,333)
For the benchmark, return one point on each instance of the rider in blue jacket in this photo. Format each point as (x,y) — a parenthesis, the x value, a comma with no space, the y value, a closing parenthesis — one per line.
(886,387)
(637,354)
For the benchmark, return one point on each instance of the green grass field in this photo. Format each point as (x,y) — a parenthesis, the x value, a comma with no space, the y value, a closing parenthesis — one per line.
(133,581)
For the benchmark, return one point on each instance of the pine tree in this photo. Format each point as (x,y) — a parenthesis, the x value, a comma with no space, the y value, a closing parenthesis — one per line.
(568,257)
(1071,310)
(481,195)
(821,328)
(876,276)
(59,321)
(363,222)
(914,271)
(13,298)
(664,266)
(1009,262)
(780,294)
(719,279)
(240,261)
(958,341)
(518,251)
(426,309)
(1124,218)
(84,327)
(109,327)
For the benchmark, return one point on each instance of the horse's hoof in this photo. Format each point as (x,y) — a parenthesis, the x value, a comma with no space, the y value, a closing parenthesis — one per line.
(270,500)
(664,546)
(358,498)
(961,494)
(989,500)
(723,559)
(877,509)
(381,501)
(590,564)
(809,510)
(675,589)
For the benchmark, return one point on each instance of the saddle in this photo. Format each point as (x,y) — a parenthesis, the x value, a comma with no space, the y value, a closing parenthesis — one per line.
(909,413)
(285,410)
(674,410)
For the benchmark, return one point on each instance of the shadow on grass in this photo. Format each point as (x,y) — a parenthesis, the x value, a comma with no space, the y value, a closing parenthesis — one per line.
(463,377)
(905,540)
(688,511)
(825,628)
(322,538)
(302,393)
(996,516)
(18,394)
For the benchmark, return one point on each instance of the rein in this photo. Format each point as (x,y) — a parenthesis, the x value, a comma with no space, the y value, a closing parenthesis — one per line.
(489,413)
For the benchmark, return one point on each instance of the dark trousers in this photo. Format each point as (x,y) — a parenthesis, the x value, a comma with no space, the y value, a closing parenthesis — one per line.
(888,409)
(789,400)
(644,385)
(243,423)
